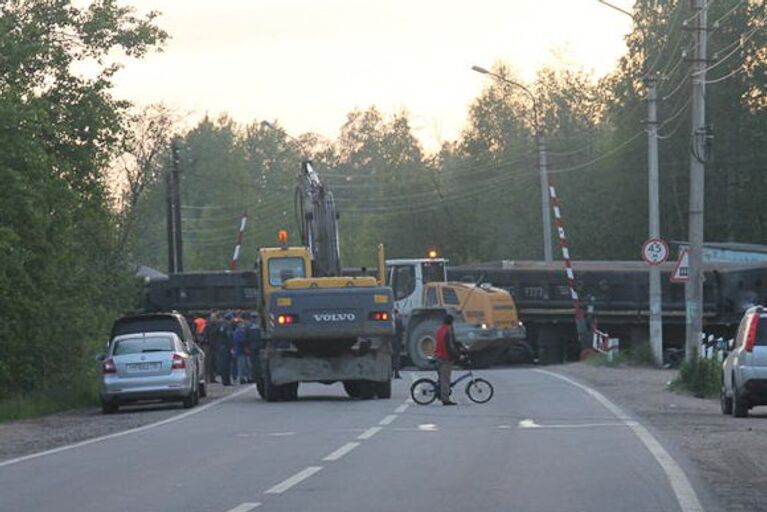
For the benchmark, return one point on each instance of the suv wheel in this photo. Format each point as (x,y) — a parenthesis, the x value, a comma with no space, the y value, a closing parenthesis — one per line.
(739,404)
(109,407)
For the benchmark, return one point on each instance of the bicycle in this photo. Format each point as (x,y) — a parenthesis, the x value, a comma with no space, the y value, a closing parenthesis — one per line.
(425,390)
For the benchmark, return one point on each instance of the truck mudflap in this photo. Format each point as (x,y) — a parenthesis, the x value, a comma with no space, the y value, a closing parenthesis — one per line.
(289,366)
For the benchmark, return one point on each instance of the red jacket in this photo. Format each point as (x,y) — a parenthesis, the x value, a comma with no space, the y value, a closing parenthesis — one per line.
(444,337)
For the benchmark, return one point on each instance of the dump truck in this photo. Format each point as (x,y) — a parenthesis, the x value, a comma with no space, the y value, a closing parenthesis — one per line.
(485,316)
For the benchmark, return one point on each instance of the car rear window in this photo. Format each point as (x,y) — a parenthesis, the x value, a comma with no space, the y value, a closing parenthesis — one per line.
(142,345)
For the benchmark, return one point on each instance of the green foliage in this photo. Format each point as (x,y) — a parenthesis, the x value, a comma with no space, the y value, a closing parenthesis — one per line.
(62,279)
(701,377)
(639,354)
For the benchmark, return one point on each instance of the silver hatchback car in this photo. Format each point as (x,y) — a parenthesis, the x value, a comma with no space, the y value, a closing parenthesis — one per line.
(744,370)
(149,366)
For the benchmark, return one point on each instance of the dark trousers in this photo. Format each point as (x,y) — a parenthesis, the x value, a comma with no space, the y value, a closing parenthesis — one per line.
(444,370)
(210,362)
(224,361)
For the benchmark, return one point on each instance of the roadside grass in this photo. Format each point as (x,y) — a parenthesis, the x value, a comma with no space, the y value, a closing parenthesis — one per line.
(639,354)
(701,377)
(57,399)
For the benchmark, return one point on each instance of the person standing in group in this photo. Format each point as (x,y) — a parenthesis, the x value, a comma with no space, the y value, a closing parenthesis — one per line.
(446,353)
(225,350)
(241,351)
(396,348)
(255,344)
(211,344)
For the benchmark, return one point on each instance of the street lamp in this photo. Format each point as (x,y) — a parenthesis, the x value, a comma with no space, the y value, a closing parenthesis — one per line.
(655,299)
(541,143)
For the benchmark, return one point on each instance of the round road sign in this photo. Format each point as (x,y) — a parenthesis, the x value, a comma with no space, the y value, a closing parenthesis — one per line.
(655,251)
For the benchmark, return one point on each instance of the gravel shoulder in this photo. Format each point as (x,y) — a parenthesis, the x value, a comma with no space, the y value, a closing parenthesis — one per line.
(21,438)
(729,454)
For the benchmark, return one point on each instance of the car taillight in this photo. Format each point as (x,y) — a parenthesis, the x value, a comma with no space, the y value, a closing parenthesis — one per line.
(179,362)
(751,336)
(108,366)
(379,315)
(287,319)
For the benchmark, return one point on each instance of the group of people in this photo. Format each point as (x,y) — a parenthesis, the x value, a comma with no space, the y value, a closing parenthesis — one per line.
(232,343)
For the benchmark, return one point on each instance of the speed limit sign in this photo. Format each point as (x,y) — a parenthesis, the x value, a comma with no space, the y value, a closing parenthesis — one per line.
(655,251)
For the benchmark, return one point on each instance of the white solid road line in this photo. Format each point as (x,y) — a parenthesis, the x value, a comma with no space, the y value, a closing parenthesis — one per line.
(342,451)
(685,494)
(126,432)
(402,408)
(369,433)
(293,480)
(388,419)
(244,507)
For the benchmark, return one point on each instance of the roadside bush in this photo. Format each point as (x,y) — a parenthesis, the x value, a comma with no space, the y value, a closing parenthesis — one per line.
(701,377)
(639,354)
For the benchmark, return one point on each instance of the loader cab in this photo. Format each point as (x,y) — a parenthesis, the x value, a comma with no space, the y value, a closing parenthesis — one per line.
(408,277)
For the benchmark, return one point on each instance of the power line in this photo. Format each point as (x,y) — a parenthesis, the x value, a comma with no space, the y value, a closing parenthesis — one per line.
(742,40)
(731,74)
(600,157)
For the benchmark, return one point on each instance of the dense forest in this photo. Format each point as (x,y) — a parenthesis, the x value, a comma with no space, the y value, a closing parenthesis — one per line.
(83,201)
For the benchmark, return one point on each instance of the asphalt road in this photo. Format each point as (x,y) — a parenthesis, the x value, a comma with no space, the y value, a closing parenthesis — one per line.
(541,444)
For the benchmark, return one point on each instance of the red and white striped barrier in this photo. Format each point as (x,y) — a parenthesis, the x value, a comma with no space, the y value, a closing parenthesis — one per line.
(238,244)
(564,246)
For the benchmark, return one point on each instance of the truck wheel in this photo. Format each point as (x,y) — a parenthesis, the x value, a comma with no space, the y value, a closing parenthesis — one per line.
(383,389)
(351,388)
(367,389)
(520,353)
(421,343)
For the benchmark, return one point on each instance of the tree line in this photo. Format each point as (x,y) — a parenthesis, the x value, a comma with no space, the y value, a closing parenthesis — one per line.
(70,239)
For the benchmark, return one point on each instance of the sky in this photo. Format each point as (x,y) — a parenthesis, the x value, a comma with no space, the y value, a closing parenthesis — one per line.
(308,63)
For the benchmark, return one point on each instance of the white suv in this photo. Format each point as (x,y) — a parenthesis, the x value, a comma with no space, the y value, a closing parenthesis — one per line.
(744,371)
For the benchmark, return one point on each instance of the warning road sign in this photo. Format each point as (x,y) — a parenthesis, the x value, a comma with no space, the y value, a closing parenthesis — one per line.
(682,268)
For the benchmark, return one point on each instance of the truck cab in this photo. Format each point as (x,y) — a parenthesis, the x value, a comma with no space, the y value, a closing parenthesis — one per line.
(408,277)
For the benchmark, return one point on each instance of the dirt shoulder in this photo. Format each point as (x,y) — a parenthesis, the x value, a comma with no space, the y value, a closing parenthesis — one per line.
(730,454)
(19,438)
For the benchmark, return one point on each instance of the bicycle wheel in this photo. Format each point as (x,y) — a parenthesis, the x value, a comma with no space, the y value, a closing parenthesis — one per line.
(424,391)
(479,390)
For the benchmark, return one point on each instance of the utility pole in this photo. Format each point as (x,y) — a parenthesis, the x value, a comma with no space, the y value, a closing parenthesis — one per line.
(173,213)
(170,220)
(656,315)
(694,286)
(545,208)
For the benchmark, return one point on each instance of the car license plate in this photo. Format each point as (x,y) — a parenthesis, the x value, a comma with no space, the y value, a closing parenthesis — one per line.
(143,367)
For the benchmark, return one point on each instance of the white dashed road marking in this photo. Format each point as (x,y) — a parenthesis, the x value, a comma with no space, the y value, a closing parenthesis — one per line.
(402,408)
(294,480)
(244,507)
(341,451)
(685,494)
(369,433)
(388,419)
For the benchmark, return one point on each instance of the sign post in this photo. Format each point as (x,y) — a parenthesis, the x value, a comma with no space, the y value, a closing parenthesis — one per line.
(655,252)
